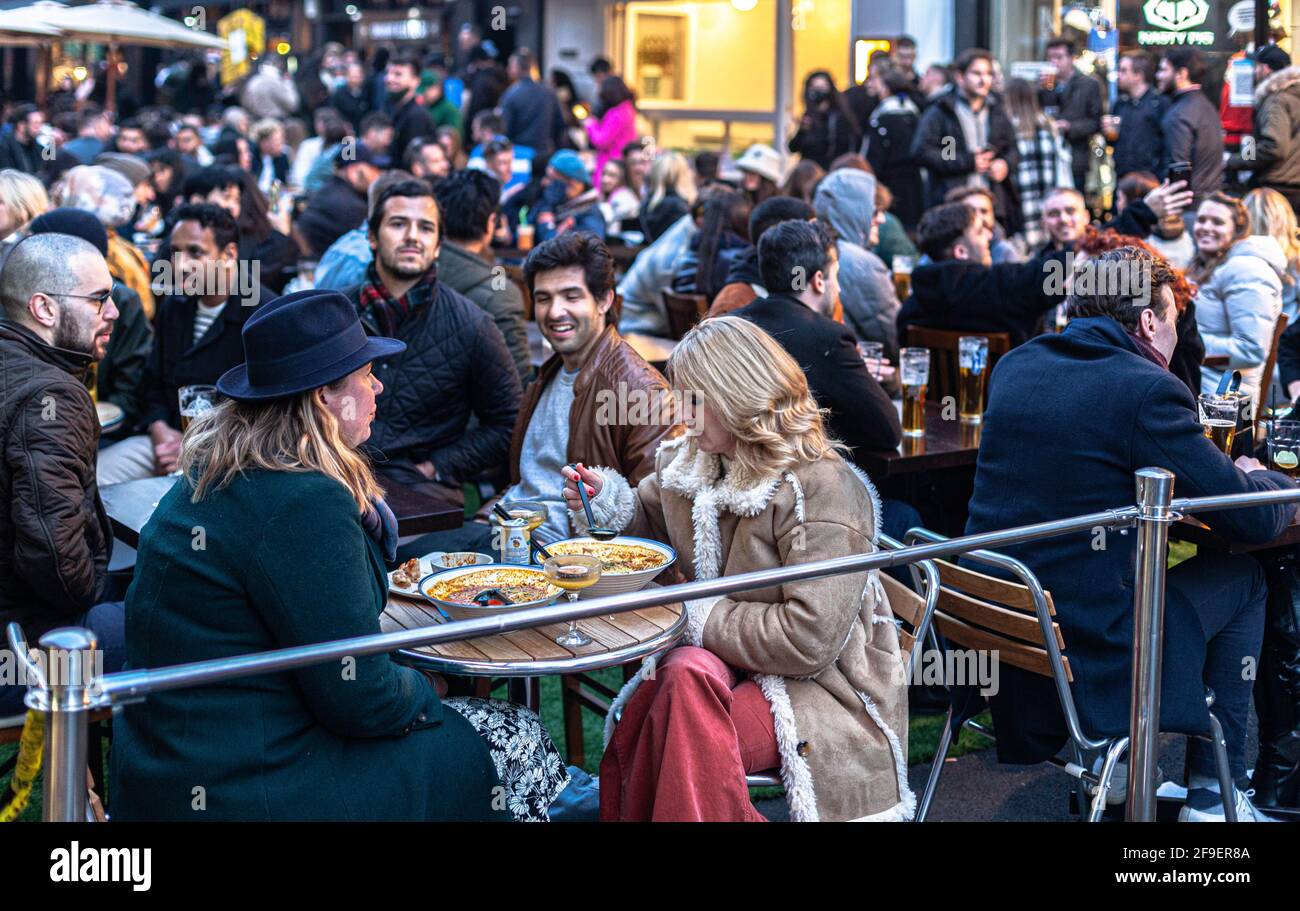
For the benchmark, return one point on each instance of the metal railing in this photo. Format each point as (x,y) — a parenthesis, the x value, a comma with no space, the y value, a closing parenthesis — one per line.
(69,699)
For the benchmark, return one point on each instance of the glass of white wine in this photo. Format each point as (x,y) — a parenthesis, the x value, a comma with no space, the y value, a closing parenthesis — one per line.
(573,573)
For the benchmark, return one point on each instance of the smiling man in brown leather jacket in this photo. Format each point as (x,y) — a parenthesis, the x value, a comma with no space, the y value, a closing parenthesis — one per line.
(595,401)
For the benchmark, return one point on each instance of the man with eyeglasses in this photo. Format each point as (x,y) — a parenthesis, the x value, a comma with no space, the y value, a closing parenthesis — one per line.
(55,538)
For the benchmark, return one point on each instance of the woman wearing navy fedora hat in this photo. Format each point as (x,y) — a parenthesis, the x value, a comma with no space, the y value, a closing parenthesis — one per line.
(277,536)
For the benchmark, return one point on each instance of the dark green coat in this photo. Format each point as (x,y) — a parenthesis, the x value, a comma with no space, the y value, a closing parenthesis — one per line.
(279,559)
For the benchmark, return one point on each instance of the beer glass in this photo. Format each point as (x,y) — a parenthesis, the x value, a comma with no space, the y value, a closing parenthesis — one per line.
(914,371)
(1219,419)
(903,276)
(194,401)
(873,354)
(92,381)
(1284,448)
(972,369)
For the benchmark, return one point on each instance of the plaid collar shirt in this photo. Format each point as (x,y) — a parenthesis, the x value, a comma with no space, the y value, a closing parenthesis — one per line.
(1035,178)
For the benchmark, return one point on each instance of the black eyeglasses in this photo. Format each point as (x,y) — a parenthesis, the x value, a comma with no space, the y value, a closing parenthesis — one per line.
(99,299)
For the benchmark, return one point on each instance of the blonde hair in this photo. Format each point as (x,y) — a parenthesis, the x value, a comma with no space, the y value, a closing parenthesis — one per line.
(671,171)
(1272,216)
(297,435)
(757,392)
(265,127)
(22,195)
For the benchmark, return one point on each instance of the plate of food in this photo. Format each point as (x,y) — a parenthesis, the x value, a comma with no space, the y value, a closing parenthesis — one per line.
(492,588)
(627,564)
(405,580)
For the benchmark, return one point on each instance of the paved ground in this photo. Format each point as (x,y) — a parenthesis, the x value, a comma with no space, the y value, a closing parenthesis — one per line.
(974,788)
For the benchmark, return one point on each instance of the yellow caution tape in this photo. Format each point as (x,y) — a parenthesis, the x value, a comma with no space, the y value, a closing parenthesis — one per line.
(30,748)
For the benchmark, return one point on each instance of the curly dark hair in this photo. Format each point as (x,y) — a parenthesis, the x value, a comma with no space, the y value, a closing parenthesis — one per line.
(1126,281)
(574,248)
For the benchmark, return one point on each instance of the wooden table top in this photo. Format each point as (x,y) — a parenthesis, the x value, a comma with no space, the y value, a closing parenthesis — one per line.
(130,505)
(1197,532)
(616,639)
(946,444)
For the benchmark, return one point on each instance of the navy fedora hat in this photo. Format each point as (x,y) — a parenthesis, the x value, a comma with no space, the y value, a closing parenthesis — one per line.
(300,342)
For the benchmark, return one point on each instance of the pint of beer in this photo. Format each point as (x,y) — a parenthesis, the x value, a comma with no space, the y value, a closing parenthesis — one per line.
(92,381)
(1219,420)
(972,369)
(914,370)
(1284,447)
(903,276)
(194,400)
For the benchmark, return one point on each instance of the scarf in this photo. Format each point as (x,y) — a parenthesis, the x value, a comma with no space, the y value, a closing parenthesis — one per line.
(380,523)
(1149,351)
(388,312)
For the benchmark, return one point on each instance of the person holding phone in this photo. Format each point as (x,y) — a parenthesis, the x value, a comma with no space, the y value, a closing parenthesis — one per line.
(1193,133)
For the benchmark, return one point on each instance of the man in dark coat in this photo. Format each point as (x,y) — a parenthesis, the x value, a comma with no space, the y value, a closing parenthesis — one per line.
(55,538)
(530,108)
(965,139)
(800,271)
(1193,131)
(197,337)
(1275,162)
(456,364)
(19,149)
(962,289)
(402,81)
(1071,417)
(340,204)
(1076,96)
(1141,110)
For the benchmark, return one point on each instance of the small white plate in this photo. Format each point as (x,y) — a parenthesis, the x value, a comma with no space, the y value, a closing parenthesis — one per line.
(110,415)
(413,591)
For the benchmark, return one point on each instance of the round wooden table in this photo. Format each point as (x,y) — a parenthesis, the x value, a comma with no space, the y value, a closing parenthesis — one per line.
(616,639)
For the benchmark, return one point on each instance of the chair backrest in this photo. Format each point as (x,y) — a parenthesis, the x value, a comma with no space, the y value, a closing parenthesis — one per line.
(913,609)
(684,311)
(943,345)
(1013,620)
(516,275)
(1266,381)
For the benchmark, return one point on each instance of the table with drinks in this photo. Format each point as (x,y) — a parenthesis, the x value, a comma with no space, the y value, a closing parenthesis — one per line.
(1227,419)
(936,435)
(524,655)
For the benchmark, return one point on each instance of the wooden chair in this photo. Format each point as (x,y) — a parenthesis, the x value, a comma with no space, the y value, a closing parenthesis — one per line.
(516,276)
(1015,621)
(1266,380)
(943,345)
(684,311)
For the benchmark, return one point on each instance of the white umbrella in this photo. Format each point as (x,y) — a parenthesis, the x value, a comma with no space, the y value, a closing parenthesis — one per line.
(20,25)
(120,22)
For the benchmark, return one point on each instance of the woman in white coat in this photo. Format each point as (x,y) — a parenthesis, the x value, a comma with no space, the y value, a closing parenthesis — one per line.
(1239,291)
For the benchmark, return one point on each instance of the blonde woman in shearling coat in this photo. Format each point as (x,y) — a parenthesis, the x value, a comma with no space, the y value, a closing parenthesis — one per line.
(807,675)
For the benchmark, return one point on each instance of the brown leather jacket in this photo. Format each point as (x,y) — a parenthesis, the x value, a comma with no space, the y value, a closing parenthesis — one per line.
(55,537)
(605,426)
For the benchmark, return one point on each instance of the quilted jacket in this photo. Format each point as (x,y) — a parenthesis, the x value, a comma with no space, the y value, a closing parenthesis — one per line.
(455,365)
(55,538)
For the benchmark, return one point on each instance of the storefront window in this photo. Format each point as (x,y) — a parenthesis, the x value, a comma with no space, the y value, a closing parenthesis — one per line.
(821,42)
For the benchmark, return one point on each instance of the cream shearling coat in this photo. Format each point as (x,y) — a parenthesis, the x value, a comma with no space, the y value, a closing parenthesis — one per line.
(825,651)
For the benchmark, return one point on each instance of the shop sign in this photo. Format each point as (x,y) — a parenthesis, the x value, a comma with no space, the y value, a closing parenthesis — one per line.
(1175,22)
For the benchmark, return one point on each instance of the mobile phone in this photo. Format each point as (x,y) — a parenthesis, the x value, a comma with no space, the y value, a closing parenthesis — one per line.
(1181,170)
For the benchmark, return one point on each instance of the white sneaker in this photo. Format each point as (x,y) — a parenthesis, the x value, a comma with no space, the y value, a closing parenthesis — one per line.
(1117,793)
(1205,805)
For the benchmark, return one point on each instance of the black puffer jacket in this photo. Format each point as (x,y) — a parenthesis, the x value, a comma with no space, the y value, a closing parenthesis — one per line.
(455,365)
(55,538)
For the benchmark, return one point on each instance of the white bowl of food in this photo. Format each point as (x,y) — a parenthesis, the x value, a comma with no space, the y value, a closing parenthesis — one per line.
(629,564)
(456,589)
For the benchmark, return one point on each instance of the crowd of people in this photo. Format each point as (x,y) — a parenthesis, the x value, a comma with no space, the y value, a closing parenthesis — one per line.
(333,262)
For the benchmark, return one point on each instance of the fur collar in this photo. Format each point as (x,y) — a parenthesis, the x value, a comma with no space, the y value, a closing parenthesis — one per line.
(1282,79)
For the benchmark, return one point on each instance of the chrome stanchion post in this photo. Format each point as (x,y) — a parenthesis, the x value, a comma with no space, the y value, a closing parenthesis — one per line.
(1155,490)
(72,691)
